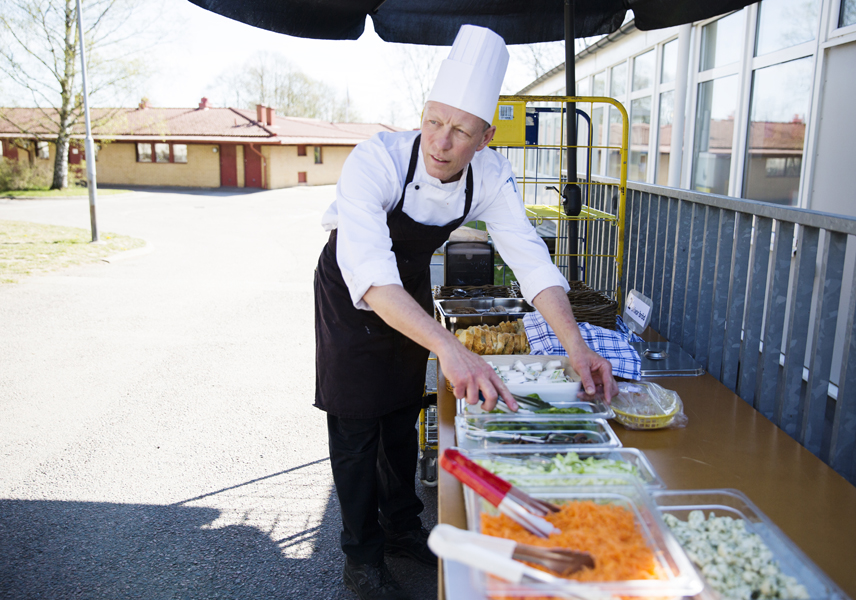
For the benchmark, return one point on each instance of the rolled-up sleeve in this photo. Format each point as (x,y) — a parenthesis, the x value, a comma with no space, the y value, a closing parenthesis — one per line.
(368,184)
(517,241)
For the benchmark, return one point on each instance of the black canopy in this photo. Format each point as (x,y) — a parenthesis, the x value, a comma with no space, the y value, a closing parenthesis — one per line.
(436,22)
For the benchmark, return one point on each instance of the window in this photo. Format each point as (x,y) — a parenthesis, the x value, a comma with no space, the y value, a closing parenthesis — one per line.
(643,71)
(847,15)
(786,23)
(42,150)
(640,132)
(179,153)
(144,152)
(721,41)
(599,84)
(301,151)
(618,82)
(617,90)
(160,152)
(301,177)
(714,134)
(318,155)
(777,119)
(664,136)
(669,66)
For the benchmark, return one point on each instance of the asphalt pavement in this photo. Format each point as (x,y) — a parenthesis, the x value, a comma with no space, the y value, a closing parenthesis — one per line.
(157,434)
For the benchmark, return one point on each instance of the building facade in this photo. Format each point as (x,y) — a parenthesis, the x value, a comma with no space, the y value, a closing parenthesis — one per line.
(202,147)
(754,104)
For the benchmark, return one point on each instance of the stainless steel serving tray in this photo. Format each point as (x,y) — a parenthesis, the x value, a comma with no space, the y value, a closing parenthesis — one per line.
(515,308)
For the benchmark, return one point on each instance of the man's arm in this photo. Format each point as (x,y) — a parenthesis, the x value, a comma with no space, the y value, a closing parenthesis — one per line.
(468,372)
(595,371)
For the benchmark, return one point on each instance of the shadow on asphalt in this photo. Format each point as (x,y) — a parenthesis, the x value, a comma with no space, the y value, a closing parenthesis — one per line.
(59,550)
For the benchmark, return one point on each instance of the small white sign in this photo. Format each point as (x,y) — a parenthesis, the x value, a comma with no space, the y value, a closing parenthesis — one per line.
(637,311)
(506,112)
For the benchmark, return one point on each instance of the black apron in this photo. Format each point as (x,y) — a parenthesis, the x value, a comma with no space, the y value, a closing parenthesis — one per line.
(363,367)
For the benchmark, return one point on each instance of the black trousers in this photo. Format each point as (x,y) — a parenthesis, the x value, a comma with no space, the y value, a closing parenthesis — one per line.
(374,468)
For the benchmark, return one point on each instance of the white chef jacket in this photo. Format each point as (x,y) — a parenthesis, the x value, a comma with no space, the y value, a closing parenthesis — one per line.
(370,187)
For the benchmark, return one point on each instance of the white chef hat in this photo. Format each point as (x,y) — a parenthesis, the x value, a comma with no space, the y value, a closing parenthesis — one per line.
(470,79)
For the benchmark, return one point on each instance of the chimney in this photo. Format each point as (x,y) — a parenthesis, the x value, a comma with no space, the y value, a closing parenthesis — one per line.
(144,103)
(271,115)
(203,104)
(260,113)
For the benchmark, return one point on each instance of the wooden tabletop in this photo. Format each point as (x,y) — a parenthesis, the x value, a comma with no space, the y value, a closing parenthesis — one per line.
(726,444)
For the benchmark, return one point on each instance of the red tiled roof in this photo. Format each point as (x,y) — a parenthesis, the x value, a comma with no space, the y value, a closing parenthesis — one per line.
(221,124)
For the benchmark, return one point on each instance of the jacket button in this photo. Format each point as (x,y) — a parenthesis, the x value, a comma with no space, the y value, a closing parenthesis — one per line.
(416,187)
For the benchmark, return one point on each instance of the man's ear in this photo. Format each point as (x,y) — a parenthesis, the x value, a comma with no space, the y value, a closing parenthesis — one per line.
(488,136)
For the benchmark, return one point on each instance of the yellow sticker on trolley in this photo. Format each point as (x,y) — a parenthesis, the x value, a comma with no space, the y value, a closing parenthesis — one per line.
(510,122)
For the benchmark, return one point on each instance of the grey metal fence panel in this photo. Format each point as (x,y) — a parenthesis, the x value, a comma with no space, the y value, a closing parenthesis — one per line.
(726,273)
(721,284)
(736,300)
(679,281)
(708,276)
(750,350)
(774,327)
(842,447)
(823,340)
(669,241)
(696,249)
(789,392)
(660,261)
(648,226)
(631,244)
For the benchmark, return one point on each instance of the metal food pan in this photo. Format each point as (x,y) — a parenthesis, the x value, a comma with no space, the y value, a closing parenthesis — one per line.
(474,432)
(515,308)
(539,461)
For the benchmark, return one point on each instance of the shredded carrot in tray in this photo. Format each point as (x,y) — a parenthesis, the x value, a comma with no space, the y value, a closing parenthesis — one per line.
(606,531)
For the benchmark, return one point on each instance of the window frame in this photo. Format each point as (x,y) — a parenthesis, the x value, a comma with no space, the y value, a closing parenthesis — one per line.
(152,153)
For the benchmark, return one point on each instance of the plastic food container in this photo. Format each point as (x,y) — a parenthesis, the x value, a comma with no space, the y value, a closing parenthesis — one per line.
(550,392)
(734,504)
(548,431)
(678,577)
(537,459)
(645,405)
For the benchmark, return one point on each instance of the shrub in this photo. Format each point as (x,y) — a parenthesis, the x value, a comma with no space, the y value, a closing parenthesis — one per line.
(20,175)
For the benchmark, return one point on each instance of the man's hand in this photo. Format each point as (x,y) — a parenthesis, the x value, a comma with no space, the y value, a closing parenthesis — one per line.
(594,370)
(466,371)
(470,374)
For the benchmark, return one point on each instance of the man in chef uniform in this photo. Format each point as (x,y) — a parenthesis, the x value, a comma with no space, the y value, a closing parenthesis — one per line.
(398,199)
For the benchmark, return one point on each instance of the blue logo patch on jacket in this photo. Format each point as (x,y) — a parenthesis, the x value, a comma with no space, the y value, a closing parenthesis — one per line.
(513,183)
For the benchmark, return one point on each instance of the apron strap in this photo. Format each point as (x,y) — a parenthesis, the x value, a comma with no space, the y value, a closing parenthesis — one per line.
(411,170)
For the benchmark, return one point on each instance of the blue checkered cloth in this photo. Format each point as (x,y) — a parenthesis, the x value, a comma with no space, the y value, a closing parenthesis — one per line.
(612,345)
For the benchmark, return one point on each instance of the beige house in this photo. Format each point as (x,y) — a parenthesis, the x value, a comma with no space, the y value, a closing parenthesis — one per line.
(201,147)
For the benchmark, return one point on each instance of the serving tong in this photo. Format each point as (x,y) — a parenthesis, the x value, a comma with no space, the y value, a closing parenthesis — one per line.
(522,508)
(527,401)
(446,542)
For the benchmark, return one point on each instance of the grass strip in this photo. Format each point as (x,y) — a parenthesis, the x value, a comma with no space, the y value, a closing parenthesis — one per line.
(32,248)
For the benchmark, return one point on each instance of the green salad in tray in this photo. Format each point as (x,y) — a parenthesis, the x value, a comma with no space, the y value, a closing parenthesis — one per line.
(560,465)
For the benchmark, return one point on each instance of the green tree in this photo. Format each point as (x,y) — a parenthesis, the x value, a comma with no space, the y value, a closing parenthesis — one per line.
(39,58)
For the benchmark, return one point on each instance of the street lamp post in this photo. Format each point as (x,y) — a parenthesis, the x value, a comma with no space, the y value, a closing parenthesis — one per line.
(89,144)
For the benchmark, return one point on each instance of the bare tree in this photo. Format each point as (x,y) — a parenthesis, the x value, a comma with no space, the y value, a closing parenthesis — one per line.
(272,80)
(417,69)
(39,58)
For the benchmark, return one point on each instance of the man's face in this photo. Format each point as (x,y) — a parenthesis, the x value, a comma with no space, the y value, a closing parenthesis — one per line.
(450,139)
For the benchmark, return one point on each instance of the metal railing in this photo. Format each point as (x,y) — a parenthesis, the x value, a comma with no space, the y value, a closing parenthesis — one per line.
(763,296)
